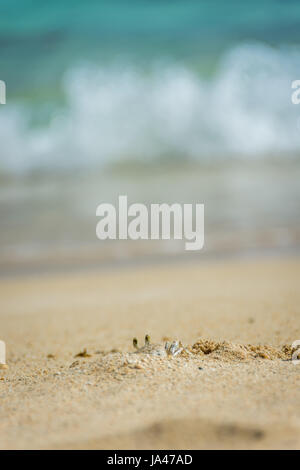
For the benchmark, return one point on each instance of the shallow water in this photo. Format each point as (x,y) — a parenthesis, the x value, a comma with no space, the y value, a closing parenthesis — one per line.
(247,207)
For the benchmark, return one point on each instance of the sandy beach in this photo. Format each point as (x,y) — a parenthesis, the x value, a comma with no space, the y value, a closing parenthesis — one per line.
(233,386)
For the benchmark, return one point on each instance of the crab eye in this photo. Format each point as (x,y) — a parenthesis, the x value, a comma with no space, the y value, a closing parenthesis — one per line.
(147,339)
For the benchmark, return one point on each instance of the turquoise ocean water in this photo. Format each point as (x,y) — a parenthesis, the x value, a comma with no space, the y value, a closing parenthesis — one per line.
(179,79)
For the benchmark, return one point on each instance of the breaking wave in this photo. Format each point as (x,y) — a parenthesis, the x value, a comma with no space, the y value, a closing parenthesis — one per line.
(117,113)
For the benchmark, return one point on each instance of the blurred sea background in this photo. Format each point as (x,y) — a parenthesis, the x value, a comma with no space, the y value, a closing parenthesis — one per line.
(164,101)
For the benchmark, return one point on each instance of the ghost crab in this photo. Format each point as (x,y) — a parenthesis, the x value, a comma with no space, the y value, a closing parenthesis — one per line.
(169,349)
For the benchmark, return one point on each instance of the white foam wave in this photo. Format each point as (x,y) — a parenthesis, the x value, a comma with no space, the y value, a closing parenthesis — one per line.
(118,113)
